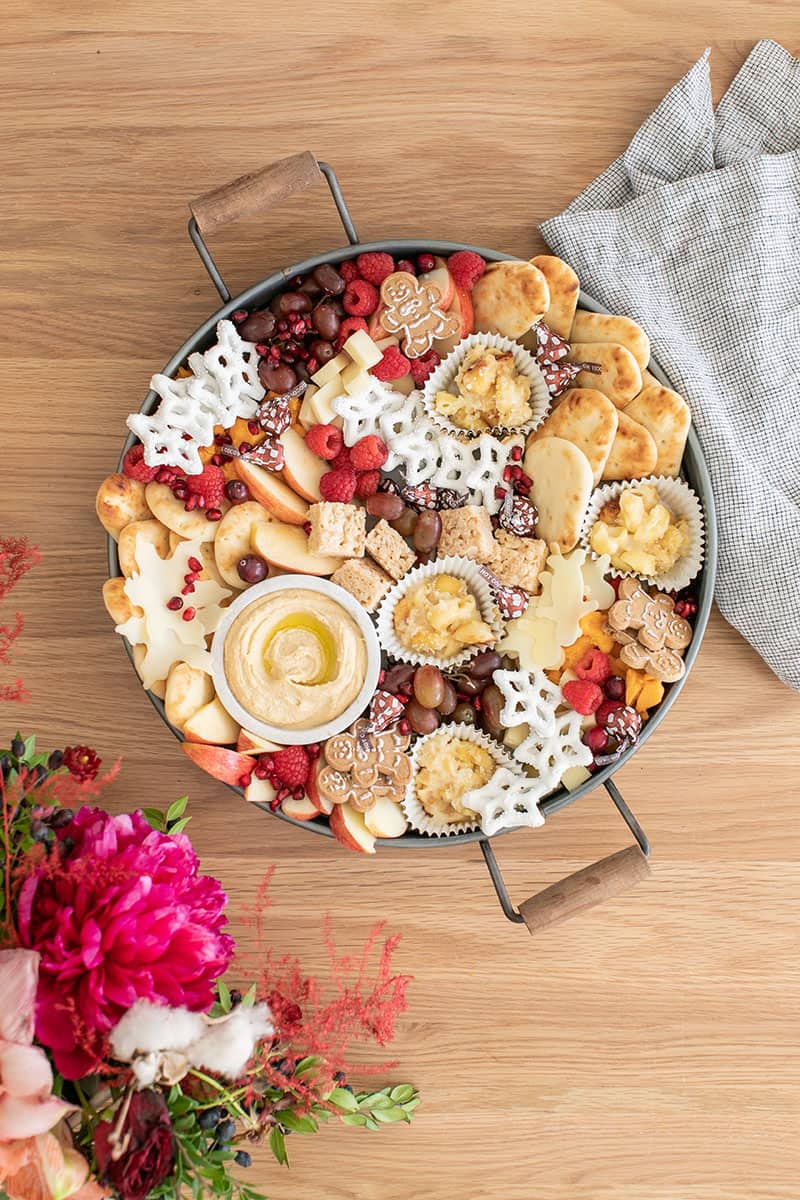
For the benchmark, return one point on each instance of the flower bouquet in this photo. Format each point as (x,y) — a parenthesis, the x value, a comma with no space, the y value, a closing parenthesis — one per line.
(128,1066)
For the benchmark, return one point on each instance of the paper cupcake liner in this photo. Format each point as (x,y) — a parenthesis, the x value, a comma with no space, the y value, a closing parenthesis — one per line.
(451,564)
(682,501)
(443,378)
(418,817)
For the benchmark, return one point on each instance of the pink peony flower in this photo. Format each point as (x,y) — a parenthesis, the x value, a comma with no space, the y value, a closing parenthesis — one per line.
(27,1104)
(120,916)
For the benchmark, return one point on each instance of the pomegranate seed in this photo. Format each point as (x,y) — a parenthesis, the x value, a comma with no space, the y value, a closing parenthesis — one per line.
(261,772)
(201,502)
(516,472)
(499,492)
(274,804)
(262,348)
(191,503)
(516,453)
(219,439)
(476,703)
(313,750)
(303,354)
(298,793)
(245,447)
(191,577)
(507,473)
(307,527)
(174,604)
(252,427)
(217,460)
(214,514)
(523,478)
(163,475)
(283,793)
(312,365)
(187,591)
(403,697)
(189,613)
(240,314)
(246,779)
(180,492)
(404,726)
(194,564)
(381,675)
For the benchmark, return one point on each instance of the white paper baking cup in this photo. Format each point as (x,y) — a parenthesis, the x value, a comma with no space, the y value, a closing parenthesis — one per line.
(277,733)
(451,564)
(443,380)
(418,817)
(681,500)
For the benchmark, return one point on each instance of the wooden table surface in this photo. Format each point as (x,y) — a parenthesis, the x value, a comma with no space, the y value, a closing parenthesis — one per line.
(645,1051)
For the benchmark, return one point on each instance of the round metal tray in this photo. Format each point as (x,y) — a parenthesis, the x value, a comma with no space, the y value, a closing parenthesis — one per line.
(694,470)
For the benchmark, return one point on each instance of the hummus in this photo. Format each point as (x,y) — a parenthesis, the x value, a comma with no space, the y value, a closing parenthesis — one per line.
(295,659)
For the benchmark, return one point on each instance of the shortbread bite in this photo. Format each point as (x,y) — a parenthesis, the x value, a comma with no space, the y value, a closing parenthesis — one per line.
(364,580)
(467,531)
(518,561)
(390,550)
(337,529)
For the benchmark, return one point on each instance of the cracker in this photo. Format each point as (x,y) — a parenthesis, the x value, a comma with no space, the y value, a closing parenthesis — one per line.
(119,501)
(152,531)
(510,297)
(633,453)
(589,420)
(602,327)
(562,485)
(620,378)
(666,415)
(564,288)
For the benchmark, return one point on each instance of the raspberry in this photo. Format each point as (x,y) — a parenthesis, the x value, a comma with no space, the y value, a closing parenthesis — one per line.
(291,766)
(367,484)
(422,367)
(393,365)
(405,264)
(374,266)
(350,325)
(426,262)
(466,267)
(82,762)
(584,696)
(604,711)
(210,484)
(338,486)
(368,453)
(342,459)
(325,441)
(348,270)
(134,466)
(360,298)
(594,665)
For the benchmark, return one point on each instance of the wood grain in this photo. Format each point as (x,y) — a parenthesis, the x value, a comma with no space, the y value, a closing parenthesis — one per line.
(644,1051)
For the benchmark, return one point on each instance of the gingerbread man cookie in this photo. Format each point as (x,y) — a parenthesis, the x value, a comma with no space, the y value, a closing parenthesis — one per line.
(650,632)
(413,312)
(360,772)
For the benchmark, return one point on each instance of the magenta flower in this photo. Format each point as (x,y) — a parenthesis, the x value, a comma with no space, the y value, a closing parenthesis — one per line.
(121,916)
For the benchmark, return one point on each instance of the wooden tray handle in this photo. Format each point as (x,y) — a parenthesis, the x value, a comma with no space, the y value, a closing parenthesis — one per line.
(254,192)
(587,887)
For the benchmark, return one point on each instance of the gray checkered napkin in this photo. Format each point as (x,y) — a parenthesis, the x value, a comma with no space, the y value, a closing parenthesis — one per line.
(695,233)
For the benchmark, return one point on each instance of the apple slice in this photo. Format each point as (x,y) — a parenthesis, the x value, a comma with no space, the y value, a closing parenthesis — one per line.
(302,470)
(253,743)
(374,327)
(212,724)
(443,280)
(259,791)
(322,803)
(222,764)
(286,547)
(270,490)
(188,690)
(386,818)
(302,809)
(349,827)
(462,304)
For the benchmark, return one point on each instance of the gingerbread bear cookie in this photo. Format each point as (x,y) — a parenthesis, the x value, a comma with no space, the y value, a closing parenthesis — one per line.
(650,632)
(413,312)
(360,771)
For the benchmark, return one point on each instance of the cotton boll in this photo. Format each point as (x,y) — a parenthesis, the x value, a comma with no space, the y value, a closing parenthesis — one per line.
(225,1048)
(147,1027)
(145,1070)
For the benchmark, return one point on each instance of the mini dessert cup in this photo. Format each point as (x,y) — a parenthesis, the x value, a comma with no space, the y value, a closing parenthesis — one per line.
(681,500)
(461,568)
(418,817)
(442,379)
(277,733)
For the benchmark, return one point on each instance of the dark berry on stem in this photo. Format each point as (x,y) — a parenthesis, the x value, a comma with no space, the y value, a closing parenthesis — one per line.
(56,760)
(242,1158)
(61,818)
(17,747)
(209,1117)
(225,1130)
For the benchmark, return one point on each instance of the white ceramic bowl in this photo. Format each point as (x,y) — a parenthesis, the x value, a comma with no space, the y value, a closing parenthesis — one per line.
(275,733)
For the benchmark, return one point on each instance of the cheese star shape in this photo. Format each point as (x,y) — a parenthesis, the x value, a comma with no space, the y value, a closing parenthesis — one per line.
(168,638)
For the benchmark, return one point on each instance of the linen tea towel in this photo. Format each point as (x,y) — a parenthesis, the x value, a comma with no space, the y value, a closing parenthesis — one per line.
(694,232)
